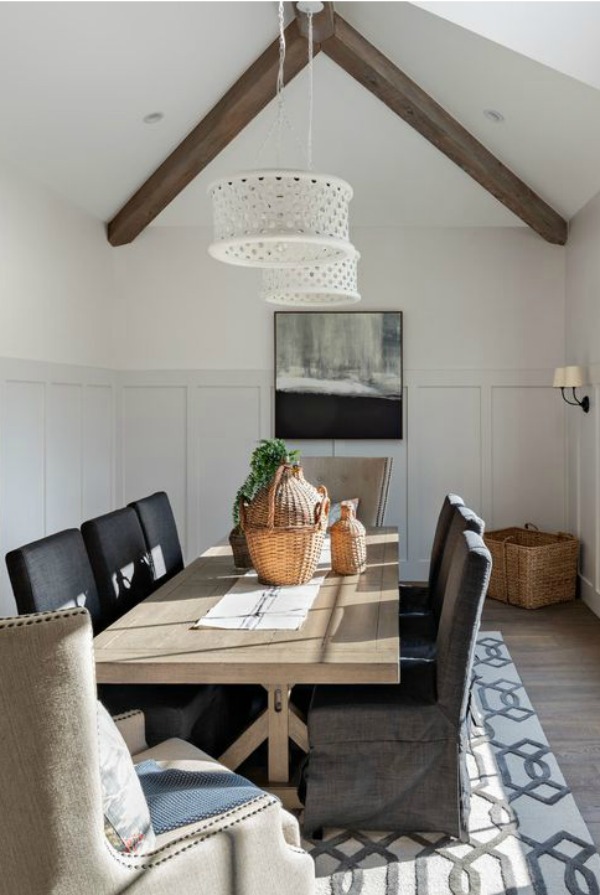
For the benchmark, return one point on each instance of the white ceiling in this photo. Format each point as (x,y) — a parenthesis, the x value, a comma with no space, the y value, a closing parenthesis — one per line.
(76,79)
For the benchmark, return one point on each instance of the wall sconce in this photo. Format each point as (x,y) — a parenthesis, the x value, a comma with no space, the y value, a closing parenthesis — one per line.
(571,377)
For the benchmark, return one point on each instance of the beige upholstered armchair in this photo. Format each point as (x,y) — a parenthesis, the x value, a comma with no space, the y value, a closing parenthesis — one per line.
(51,811)
(345,478)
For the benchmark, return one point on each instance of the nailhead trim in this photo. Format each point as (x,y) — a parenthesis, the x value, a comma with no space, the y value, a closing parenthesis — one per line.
(131,713)
(135,865)
(36,618)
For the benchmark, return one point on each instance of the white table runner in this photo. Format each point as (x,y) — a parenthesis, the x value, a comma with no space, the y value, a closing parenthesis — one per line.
(251,606)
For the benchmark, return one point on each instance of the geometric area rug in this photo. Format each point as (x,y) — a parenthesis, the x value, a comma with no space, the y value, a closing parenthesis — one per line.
(526,835)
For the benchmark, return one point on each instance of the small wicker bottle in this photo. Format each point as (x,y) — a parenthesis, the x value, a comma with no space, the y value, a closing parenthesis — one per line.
(348,543)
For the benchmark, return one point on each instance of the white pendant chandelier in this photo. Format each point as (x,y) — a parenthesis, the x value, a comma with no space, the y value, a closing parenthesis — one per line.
(321,285)
(282,218)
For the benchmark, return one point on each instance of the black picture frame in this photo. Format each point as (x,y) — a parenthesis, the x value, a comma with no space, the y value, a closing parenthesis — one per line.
(338,374)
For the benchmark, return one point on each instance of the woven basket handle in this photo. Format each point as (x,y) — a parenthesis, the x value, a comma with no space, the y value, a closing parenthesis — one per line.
(322,507)
(271,495)
(242,514)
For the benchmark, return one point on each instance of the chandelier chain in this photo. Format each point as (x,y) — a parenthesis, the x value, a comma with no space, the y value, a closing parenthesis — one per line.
(280,82)
(309,159)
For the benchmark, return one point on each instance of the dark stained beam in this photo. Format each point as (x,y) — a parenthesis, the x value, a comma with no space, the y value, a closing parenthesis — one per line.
(248,96)
(386,81)
(323,23)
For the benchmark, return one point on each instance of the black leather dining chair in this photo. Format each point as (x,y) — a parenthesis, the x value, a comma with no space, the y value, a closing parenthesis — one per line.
(55,572)
(160,535)
(394,757)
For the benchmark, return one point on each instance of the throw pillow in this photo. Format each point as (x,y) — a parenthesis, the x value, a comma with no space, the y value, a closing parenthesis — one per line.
(127,823)
(335,512)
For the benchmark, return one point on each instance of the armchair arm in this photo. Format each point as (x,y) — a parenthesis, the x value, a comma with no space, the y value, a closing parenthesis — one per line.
(227,853)
(132,727)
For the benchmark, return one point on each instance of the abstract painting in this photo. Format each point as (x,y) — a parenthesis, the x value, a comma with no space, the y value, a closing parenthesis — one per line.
(338,375)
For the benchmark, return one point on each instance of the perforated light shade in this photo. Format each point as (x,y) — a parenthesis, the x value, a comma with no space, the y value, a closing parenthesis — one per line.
(569,377)
(280,219)
(322,285)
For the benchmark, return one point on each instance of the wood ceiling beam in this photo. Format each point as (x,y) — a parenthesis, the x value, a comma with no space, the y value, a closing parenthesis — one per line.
(248,96)
(323,23)
(403,96)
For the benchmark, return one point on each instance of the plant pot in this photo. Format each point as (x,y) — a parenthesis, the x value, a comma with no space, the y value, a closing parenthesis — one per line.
(239,547)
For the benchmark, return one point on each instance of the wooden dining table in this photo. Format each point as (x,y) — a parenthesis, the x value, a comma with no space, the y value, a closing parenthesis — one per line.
(350,636)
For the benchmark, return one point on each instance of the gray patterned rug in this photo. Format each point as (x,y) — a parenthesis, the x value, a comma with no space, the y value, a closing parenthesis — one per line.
(527,836)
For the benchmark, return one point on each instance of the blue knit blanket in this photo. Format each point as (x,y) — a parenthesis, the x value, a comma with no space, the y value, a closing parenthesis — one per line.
(176,798)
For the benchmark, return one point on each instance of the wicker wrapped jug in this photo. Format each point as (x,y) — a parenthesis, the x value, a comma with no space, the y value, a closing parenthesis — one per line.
(285,526)
(348,543)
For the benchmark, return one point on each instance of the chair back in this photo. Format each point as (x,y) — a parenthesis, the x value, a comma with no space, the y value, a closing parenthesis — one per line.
(160,534)
(459,623)
(439,539)
(367,478)
(51,822)
(55,573)
(117,550)
(463,519)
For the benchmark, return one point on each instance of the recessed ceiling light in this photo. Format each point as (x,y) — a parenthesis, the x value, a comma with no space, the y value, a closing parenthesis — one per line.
(153,118)
(493,115)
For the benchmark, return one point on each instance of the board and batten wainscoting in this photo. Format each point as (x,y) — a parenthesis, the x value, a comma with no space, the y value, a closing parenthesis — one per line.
(496,437)
(76,442)
(57,452)
(583,487)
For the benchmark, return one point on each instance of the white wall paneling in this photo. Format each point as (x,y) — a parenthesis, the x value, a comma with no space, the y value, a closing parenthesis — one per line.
(444,455)
(154,432)
(495,437)
(528,445)
(582,331)
(64,455)
(56,452)
(191,433)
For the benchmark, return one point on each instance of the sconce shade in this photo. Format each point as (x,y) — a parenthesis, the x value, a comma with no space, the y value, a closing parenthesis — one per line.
(569,377)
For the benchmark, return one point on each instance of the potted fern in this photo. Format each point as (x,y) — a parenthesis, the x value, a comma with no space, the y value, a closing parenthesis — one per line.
(264,462)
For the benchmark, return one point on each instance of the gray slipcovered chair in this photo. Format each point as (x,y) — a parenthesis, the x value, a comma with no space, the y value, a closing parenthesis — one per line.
(415,599)
(51,822)
(55,573)
(393,757)
(418,631)
(160,534)
(367,478)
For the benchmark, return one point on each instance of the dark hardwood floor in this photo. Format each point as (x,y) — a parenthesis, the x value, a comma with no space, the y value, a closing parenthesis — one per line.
(557,653)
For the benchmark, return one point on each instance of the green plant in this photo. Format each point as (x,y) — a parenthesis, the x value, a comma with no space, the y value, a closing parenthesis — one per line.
(265,459)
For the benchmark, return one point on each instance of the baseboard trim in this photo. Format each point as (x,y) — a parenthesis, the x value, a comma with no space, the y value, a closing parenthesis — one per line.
(589,595)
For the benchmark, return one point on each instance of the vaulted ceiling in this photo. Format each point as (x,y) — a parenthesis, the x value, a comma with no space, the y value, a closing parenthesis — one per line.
(76,79)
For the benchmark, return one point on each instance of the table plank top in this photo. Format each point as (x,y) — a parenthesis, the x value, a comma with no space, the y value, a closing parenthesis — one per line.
(349,636)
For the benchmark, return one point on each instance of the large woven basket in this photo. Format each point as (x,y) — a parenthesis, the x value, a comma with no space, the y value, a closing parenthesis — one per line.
(532,568)
(285,527)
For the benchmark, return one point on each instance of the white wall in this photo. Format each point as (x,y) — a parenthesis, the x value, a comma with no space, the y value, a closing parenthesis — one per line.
(583,347)
(490,298)
(483,330)
(56,277)
(58,407)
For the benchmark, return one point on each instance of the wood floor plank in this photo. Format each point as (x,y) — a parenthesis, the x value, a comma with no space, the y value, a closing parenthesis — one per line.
(557,653)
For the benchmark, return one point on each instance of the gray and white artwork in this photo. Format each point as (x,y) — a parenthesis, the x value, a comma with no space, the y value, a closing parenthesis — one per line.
(338,375)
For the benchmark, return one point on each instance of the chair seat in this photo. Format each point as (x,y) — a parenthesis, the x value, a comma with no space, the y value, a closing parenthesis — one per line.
(188,712)
(417,640)
(414,599)
(371,712)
